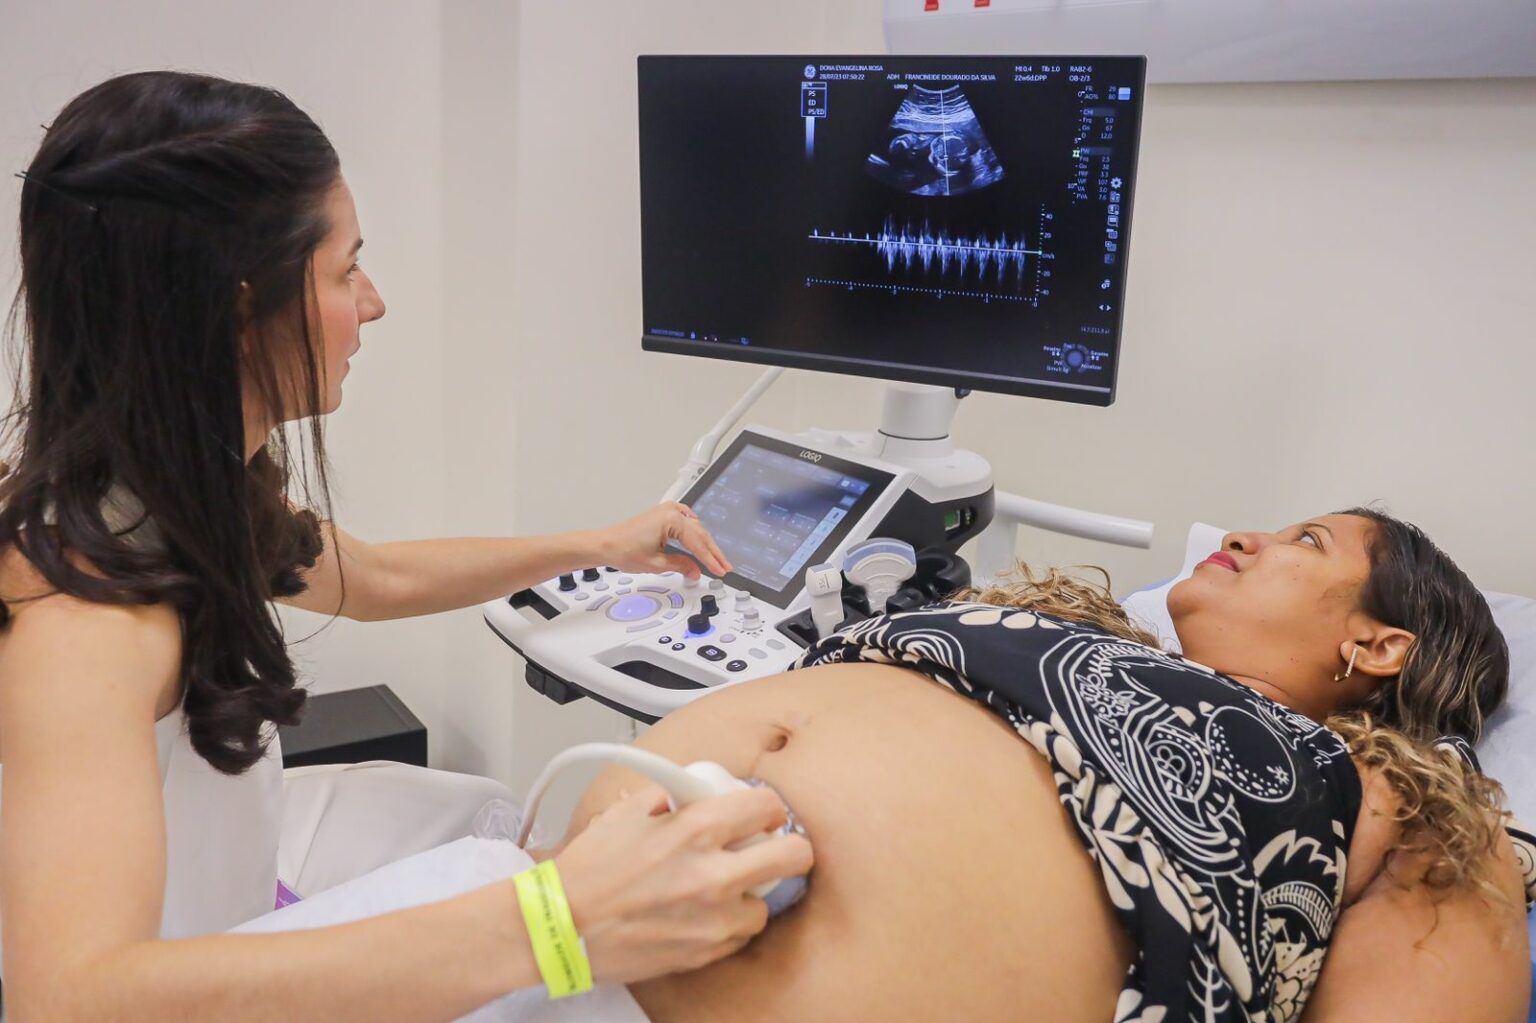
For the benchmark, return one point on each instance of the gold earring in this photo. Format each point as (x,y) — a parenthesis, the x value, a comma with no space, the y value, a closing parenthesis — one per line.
(1351,669)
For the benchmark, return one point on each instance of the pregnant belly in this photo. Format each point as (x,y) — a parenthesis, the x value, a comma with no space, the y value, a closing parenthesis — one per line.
(949,883)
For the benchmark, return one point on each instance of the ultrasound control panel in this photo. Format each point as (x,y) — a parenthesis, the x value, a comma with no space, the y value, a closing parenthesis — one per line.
(648,644)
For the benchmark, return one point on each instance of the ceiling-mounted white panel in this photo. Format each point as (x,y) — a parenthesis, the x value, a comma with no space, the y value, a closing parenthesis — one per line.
(1238,40)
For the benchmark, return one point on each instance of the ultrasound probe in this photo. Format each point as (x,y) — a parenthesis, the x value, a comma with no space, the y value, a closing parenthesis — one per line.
(684,786)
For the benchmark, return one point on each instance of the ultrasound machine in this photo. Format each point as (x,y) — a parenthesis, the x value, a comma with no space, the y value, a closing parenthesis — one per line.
(947,224)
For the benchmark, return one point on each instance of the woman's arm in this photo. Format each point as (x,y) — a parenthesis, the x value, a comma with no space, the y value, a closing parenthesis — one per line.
(1402,952)
(419,577)
(1399,956)
(82,867)
(82,863)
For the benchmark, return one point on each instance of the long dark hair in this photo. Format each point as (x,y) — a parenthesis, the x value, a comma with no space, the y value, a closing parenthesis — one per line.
(153,197)
(1456,673)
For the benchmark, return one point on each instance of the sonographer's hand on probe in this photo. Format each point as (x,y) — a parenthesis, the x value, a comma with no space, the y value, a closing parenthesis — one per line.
(639,544)
(654,892)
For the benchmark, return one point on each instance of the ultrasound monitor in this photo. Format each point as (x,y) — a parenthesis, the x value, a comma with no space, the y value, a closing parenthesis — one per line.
(961,221)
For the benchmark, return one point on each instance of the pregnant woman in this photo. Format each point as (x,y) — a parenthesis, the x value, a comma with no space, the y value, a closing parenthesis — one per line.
(1075,826)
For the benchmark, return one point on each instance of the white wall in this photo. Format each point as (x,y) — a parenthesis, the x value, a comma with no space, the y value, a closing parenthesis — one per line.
(1329,302)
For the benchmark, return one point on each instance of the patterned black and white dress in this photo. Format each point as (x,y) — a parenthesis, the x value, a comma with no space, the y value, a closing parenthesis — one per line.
(1219,819)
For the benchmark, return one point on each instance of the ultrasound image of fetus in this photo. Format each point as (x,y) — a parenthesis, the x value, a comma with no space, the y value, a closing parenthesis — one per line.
(936,146)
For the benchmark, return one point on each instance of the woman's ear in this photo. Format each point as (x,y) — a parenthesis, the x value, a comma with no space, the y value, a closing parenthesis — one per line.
(1378,650)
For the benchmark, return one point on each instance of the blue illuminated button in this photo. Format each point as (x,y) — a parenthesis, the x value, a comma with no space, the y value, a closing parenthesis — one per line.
(633,608)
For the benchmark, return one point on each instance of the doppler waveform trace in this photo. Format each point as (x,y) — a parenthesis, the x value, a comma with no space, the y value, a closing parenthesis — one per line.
(922,248)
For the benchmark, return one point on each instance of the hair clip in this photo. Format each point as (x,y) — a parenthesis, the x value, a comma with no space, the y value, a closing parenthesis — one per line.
(23,175)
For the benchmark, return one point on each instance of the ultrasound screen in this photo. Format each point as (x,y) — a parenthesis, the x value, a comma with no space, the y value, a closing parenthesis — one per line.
(952,220)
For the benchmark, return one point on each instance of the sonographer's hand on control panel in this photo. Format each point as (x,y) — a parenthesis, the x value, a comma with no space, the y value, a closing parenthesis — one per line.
(639,544)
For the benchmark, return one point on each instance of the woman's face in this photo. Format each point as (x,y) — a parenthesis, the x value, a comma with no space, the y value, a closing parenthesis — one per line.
(1284,609)
(344,295)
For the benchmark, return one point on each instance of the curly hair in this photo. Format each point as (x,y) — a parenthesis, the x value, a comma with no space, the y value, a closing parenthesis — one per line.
(167,226)
(1449,814)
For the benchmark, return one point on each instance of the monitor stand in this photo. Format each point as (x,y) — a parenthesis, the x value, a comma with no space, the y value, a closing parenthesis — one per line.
(914,433)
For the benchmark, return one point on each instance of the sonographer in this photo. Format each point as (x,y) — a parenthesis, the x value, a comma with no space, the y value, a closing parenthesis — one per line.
(190,284)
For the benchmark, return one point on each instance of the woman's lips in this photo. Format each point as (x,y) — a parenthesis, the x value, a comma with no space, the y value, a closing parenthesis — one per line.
(1223,559)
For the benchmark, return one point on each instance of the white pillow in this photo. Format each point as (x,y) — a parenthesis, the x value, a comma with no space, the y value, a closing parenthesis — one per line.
(1149,607)
(1508,746)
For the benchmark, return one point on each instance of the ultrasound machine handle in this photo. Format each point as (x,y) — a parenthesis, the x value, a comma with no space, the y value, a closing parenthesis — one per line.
(995,548)
(705,447)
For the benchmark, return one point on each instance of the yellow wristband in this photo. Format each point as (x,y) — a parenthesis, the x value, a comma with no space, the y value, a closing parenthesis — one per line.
(557,949)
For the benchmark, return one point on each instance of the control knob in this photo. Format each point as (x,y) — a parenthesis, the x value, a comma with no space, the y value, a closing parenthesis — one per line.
(708,605)
(567,583)
(590,575)
(698,624)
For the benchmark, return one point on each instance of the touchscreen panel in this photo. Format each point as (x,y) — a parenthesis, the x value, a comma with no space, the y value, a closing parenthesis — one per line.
(775,509)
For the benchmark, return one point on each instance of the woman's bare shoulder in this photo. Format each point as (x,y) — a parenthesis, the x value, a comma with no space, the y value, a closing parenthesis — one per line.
(45,627)
(1372,864)
(1403,950)
(1377,830)
(23,586)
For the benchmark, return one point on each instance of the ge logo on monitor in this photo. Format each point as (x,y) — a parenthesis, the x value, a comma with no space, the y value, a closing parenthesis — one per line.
(810,71)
